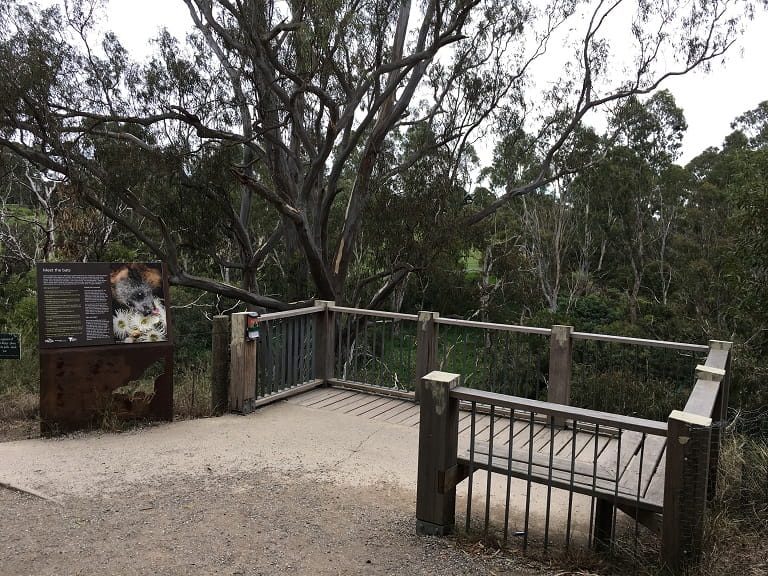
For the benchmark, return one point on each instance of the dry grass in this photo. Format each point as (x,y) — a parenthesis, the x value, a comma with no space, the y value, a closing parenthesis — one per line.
(20,408)
(738,521)
(19,415)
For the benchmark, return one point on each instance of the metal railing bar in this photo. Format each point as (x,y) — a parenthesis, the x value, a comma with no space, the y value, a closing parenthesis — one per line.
(640,341)
(289,313)
(493,326)
(377,313)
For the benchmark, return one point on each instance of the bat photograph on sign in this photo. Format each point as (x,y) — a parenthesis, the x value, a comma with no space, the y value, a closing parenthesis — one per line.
(138,308)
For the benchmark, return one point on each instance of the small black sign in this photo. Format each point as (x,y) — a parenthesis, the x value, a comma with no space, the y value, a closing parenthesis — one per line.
(10,346)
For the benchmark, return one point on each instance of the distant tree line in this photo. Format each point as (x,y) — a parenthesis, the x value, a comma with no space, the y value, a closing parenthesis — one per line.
(290,151)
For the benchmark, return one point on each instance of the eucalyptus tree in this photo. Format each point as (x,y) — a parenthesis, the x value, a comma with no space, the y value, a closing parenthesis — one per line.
(632,196)
(267,128)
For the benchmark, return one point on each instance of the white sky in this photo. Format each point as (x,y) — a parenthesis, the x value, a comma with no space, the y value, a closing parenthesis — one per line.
(710,101)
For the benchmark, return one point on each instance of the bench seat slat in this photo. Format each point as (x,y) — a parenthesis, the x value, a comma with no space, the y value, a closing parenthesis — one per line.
(581,476)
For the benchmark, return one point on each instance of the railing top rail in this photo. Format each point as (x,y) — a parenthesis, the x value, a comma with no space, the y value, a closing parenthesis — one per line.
(717,358)
(640,341)
(703,398)
(289,313)
(378,313)
(493,326)
(581,414)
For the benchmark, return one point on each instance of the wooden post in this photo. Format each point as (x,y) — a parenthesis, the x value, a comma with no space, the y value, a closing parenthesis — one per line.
(219,364)
(605,512)
(719,415)
(685,489)
(560,361)
(426,346)
(325,341)
(243,352)
(438,442)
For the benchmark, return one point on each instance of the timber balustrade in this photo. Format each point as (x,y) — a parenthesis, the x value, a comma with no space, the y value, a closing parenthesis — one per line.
(570,410)
(660,473)
(329,344)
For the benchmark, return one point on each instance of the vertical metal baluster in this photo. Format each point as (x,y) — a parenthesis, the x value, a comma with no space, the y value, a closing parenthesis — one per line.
(368,326)
(516,383)
(283,352)
(549,481)
(594,483)
(356,344)
(339,372)
(637,501)
(306,355)
(490,465)
(373,355)
(467,369)
(279,355)
(284,344)
(616,492)
(530,373)
(298,349)
(411,364)
(291,376)
(497,345)
(348,349)
(384,360)
(311,346)
(505,363)
(470,477)
(509,473)
(572,481)
(397,354)
(274,357)
(528,481)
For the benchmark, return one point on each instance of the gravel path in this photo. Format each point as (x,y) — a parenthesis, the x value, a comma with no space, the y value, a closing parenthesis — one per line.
(283,491)
(251,524)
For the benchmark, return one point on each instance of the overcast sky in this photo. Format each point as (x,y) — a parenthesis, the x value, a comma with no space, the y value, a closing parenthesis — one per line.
(710,101)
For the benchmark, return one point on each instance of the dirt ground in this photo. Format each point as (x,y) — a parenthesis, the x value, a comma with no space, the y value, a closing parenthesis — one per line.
(190,498)
(248,524)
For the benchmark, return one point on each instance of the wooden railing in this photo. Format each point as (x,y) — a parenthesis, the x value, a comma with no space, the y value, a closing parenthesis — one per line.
(391,352)
(644,468)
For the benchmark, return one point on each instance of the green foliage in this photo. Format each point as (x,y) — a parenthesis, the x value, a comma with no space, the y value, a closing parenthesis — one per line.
(18,315)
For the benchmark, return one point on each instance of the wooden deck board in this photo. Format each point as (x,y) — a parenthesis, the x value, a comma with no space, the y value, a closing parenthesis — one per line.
(599,458)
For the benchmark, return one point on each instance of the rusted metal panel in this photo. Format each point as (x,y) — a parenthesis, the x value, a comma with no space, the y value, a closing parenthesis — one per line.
(77,385)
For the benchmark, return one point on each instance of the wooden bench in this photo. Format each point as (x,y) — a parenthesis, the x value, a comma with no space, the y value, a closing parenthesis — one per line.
(662,473)
(626,485)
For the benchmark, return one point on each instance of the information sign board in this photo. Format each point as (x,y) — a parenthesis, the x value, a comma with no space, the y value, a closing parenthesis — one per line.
(94,303)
